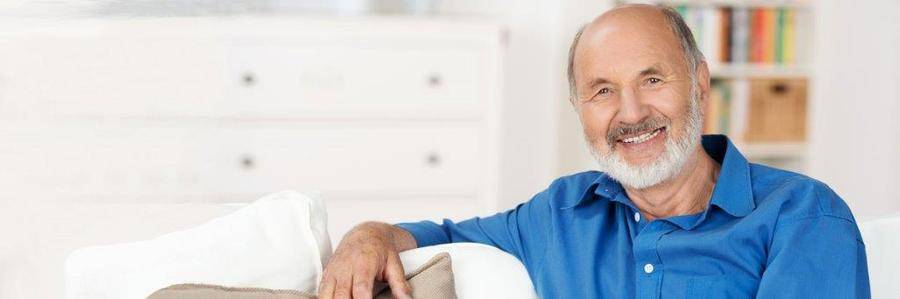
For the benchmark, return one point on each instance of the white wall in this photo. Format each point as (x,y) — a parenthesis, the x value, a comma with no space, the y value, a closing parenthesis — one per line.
(530,91)
(855,134)
(542,135)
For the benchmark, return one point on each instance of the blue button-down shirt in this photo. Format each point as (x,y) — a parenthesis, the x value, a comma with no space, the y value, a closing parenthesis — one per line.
(766,233)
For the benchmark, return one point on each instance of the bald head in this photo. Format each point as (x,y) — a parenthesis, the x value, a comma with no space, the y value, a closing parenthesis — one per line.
(658,26)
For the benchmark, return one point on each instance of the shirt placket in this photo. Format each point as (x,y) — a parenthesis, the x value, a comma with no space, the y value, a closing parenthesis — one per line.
(649,268)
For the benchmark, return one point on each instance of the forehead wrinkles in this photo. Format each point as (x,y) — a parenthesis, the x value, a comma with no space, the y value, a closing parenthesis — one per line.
(607,53)
(625,31)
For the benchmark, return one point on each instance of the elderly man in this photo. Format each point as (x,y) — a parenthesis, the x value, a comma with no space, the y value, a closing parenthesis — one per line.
(674,214)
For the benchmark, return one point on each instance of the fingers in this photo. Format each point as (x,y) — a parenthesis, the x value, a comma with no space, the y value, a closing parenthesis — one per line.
(326,288)
(395,277)
(362,283)
(341,283)
(342,287)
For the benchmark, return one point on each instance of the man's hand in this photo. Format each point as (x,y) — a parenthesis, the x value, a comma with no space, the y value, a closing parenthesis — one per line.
(367,253)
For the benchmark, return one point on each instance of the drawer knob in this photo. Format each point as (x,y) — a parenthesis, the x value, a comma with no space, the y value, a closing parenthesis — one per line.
(248,79)
(247,162)
(434,80)
(433,159)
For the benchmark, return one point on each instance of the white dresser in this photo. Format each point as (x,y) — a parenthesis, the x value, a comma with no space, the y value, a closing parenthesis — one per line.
(391,119)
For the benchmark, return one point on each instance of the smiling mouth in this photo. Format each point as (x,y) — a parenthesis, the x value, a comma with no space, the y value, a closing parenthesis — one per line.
(641,138)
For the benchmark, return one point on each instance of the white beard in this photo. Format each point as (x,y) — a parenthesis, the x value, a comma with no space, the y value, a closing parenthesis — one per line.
(670,162)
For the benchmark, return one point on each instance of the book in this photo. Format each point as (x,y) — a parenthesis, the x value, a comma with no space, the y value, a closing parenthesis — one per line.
(757,32)
(708,18)
(779,36)
(788,39)
(740,35)
(711,112)
(717,113)
(768,35)
(725,34)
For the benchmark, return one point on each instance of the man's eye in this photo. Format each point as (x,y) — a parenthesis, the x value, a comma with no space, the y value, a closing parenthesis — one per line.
(604,90)
(654,80)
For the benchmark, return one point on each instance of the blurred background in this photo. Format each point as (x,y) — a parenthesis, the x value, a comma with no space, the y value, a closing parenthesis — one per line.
(122,120)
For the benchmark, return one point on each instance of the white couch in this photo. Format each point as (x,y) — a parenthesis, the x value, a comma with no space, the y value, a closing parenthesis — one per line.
(39,237)
(882,238)
(271,231)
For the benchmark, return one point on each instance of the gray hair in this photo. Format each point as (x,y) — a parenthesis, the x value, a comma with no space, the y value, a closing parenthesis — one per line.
(692,55)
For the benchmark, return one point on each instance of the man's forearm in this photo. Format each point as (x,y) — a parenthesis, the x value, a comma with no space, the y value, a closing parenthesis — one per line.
(399,238)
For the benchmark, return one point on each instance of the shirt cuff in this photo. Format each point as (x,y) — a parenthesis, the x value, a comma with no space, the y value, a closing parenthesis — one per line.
(426,233)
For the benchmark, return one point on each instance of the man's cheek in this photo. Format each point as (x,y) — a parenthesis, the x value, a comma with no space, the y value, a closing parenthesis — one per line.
(594,131)
(597,137)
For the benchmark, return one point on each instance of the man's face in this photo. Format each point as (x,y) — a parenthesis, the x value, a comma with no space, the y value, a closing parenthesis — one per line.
(635,97)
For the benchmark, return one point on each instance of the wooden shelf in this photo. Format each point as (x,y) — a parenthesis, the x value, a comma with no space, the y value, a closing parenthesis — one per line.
(738,71)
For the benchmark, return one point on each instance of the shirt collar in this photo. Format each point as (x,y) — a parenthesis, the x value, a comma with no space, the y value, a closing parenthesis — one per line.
(603,186)
(732,192)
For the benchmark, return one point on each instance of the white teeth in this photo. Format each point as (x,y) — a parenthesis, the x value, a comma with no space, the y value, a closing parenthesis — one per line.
(643,137)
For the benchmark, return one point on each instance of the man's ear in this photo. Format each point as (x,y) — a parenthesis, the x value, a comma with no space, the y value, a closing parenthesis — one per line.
(703,81)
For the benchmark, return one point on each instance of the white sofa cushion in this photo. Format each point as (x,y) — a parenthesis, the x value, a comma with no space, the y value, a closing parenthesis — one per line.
(479,271)
(38,236)
(882,239)
(279,241)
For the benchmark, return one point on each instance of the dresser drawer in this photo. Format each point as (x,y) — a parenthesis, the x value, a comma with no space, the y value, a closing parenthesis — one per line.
(360,81)
(53,77)
(165,163)
(164,77)
(421,158)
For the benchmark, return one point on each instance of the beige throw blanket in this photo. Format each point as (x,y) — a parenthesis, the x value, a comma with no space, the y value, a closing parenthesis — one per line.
(433,280)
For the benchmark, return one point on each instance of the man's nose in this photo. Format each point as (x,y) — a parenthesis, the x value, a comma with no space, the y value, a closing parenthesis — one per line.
(632,108)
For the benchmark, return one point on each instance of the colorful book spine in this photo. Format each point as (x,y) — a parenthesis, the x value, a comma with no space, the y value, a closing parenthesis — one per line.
(757,32)
(725,34)
(779,36)
(740,35)
(768,35)
(717,114)
(788,38)
(711,113)
(725,109)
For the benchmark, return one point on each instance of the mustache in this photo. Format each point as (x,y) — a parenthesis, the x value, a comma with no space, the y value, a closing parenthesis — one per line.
(622,129)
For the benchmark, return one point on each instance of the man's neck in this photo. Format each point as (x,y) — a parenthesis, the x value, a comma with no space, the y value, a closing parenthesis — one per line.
(686,193)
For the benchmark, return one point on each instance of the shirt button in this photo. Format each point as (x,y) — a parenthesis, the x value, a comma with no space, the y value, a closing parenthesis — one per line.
(637,216)
(648,268)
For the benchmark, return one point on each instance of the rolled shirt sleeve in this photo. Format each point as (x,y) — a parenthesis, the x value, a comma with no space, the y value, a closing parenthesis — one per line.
(511,231)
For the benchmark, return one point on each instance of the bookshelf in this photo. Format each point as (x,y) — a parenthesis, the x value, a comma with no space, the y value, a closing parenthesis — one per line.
(759,55)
